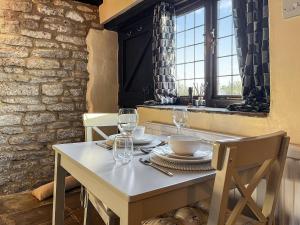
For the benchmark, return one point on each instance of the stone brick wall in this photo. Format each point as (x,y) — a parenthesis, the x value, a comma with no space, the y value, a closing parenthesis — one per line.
(43,78)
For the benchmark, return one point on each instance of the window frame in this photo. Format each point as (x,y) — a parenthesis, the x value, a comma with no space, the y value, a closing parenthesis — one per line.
(210,54)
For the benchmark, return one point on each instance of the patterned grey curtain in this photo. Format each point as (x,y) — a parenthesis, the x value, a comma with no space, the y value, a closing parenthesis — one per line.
(251,23)
(163,49)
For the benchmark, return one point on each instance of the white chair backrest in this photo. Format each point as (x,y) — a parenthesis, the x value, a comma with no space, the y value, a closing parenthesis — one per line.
(92,121)
(268,154)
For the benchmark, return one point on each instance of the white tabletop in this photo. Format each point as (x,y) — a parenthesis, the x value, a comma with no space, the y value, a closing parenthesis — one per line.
(134,180)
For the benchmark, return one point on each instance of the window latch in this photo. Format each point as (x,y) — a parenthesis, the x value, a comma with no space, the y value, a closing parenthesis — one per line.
(213,40)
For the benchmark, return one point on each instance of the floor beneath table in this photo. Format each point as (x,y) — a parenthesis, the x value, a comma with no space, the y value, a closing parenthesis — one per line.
(24,209)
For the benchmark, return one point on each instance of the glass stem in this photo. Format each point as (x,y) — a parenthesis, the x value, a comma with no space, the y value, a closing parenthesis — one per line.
(178,130)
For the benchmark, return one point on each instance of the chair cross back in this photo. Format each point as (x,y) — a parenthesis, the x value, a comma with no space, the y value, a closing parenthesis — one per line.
(230,158)
(92,121)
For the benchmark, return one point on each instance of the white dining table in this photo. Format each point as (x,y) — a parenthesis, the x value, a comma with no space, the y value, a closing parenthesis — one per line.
(133,191)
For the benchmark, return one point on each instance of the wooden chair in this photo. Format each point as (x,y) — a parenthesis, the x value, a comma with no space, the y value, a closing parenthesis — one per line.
(265,156)
(93,122)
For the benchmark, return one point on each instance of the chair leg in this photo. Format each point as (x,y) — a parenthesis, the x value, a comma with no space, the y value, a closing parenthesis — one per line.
(87,213)
(108,216)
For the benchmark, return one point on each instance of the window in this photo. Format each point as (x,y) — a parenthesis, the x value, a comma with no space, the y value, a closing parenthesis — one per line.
(228,76)
(190,45)
(206,51)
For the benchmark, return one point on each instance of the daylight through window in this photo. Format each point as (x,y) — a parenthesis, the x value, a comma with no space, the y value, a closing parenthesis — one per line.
(191,56)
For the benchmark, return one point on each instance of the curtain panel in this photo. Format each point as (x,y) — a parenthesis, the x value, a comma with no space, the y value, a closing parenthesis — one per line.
(251,24)
(163,49)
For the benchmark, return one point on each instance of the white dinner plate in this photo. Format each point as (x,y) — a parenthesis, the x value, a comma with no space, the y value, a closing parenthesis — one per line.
(165,153)
(145,140)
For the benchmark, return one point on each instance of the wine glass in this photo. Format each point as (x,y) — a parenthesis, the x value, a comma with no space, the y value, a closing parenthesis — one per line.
(180,117)
(127,120)
(123,149)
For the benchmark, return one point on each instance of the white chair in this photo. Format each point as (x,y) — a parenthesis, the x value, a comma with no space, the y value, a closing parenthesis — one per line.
(230,158)
(93,122)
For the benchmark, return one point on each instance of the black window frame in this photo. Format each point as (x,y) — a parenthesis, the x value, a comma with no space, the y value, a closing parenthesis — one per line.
(210,68)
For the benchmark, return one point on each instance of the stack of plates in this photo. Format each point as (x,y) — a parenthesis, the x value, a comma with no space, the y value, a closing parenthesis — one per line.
(146,139)
(164,156)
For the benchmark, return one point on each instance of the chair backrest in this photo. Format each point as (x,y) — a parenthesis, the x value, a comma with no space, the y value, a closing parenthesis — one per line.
(92,121)
(232,159)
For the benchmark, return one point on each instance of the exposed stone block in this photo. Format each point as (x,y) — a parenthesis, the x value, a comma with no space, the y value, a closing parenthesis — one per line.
(46,44)
(36,129)
(21,100)
(9,108)
(57,27)
(41,73)
(30,24)
(15,40)
(50,53)
(33,151)
(69,39)
(80,74)
(69,46)
(62,3)
(76,92)
(16,52)
(61,107)
(7,89)
(40,80)
(80,32)
(81,66)
(21,139)
(31,108)
(46,137)
(80,106)
(80,55)
(12,62)
(66,99)
(38,118)
(13,70)
(57,125)
(10,28)
(75,116)
(31,16)
(68,64)
(89,17)
(3,139)
(73,15)
(8,120)
(7,77)
(38,63)
(50,100)
(62,73)
(50,11)
(84,8)
(36,34)
(52,89)
(69,133)
(11,130)
(19,6)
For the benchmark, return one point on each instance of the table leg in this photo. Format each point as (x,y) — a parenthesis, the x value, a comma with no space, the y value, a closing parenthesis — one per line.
(59,192)
(133,215)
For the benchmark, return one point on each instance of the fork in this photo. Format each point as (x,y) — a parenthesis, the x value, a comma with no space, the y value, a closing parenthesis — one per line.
(148,150)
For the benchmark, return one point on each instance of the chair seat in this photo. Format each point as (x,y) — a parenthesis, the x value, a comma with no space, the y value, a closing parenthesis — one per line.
(194,216)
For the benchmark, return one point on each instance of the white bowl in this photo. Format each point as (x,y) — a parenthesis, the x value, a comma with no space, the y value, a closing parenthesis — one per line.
(184,145)
(139,132)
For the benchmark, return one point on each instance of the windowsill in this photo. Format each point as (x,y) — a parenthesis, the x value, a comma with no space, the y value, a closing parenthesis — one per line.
(206,110)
